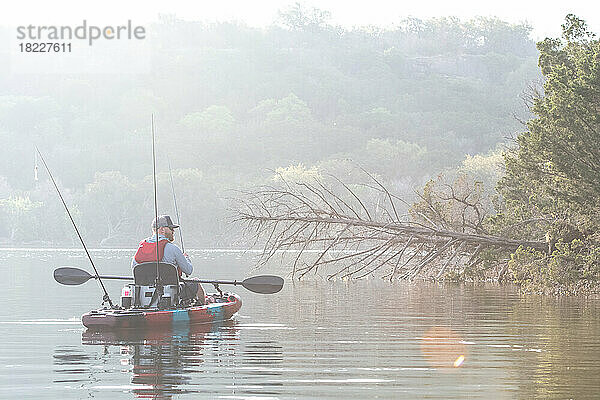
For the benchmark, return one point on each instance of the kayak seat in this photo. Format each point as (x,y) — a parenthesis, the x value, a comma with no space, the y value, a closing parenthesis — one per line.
(144,274)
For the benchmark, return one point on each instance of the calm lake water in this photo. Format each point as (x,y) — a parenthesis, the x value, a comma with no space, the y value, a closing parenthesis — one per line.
(314,340)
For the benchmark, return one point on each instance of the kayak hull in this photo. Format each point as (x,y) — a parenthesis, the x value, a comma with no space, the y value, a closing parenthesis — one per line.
(107,319)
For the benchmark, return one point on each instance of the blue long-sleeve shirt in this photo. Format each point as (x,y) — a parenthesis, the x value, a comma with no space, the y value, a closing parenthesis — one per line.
(172,255)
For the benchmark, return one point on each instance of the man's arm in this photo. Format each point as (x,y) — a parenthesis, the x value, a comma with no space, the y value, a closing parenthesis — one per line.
(180,260)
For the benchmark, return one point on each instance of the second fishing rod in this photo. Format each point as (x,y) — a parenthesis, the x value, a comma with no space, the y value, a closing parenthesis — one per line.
(159,287)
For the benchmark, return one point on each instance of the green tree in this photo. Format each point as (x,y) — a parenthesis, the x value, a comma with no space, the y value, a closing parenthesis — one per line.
(298,17)
(113,206)
(18,215)
(296,173)
(214,119)
(552,183)
(487,168)
(394,158)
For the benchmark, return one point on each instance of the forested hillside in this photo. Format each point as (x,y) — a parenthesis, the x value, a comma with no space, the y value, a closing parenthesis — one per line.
(234,103)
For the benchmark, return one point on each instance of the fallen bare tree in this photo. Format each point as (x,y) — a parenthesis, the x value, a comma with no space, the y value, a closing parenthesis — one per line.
(363,229)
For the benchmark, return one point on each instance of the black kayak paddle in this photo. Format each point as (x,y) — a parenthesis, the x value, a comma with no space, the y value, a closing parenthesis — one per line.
(265,284)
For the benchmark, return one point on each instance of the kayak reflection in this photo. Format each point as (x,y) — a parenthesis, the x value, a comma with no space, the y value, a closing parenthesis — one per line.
(162,361)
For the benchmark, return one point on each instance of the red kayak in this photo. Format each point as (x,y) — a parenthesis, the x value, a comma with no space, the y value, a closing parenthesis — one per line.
(142,307)
(222,309)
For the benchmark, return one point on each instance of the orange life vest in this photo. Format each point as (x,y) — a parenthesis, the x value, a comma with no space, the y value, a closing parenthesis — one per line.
(146,251)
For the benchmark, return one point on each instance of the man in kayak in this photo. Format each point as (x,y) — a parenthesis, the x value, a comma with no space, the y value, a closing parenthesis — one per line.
(171,254)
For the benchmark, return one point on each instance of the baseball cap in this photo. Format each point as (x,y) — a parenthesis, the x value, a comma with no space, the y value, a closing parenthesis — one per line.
(164,220)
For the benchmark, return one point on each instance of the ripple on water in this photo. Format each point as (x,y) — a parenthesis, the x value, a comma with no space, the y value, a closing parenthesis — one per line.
(312,340)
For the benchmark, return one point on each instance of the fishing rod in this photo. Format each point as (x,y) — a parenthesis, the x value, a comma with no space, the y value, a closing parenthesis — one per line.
(175,202)
(106,297)
(158,286)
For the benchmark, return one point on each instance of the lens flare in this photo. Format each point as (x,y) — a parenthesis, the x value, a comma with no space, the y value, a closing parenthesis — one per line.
(443,349)
(458,362)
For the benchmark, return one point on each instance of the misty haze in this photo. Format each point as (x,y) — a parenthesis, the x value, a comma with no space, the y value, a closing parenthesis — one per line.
(404,211)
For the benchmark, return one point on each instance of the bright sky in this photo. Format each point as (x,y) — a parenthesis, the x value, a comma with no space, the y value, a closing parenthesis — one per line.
(545,16)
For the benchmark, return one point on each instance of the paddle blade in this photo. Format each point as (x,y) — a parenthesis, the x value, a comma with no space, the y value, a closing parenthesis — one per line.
(265,284)
(71,276)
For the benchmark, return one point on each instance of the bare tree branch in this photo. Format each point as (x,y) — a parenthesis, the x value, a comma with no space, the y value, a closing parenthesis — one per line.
(302,217)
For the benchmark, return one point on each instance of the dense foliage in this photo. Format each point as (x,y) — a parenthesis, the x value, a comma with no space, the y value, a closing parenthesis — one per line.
(551,188)
(233,102)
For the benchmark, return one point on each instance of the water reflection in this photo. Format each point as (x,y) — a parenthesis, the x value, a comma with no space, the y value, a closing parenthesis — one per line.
(561,367)
(72,362)
(165,363)
(162,362)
